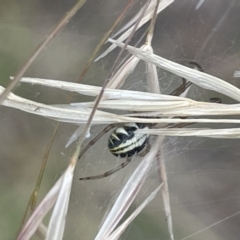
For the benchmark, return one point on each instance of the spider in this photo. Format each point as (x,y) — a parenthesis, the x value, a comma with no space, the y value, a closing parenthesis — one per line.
(125,143)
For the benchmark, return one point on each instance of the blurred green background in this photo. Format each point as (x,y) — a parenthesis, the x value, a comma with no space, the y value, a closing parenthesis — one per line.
(203,173)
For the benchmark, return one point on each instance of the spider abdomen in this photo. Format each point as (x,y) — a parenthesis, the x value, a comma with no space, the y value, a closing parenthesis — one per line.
(124,142)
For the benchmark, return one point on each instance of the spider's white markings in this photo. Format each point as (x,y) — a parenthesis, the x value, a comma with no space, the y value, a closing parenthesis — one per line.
(124,142)
(131,144)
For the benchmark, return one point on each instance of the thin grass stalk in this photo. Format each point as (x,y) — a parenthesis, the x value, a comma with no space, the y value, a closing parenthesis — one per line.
(57,222)
(43,166)
(55,234)
(17,78)
(59,194)
(212,225)
(147,17)
(116,234)
(78,131)
(165,191)
(120,208)
(33,198)
(152,25)
(152,77)
(104,39)
(153,86)
(98,99)
(123,72)
(139,40)
(62,23)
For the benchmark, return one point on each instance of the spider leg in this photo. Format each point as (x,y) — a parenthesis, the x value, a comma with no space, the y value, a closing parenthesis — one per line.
(145,150)
(93,141)
(181,125)
(106,174)
(186,84)
(182,88)
(215,100)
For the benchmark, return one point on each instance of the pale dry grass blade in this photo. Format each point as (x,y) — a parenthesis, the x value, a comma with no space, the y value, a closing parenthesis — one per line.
(210,133)
(164,108)
(201,79)
(236,74)
(125,70)
(40,212)
(134,19)
(90,90)
(148,15)
(153,86)
(81,115)
(151,70)
(117,233)
(165,191)
(199,4)
(141,106)
(58,218)
(61,114)
(41,231)
(59,195)
(152,77)
(76,135)
(126,26)
(199,109)
(128,193)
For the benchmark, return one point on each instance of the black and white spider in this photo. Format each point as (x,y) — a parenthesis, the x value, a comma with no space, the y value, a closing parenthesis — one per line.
(124,142)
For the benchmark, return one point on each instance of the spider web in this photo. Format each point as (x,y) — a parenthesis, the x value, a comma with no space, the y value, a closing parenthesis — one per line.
(203,173)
